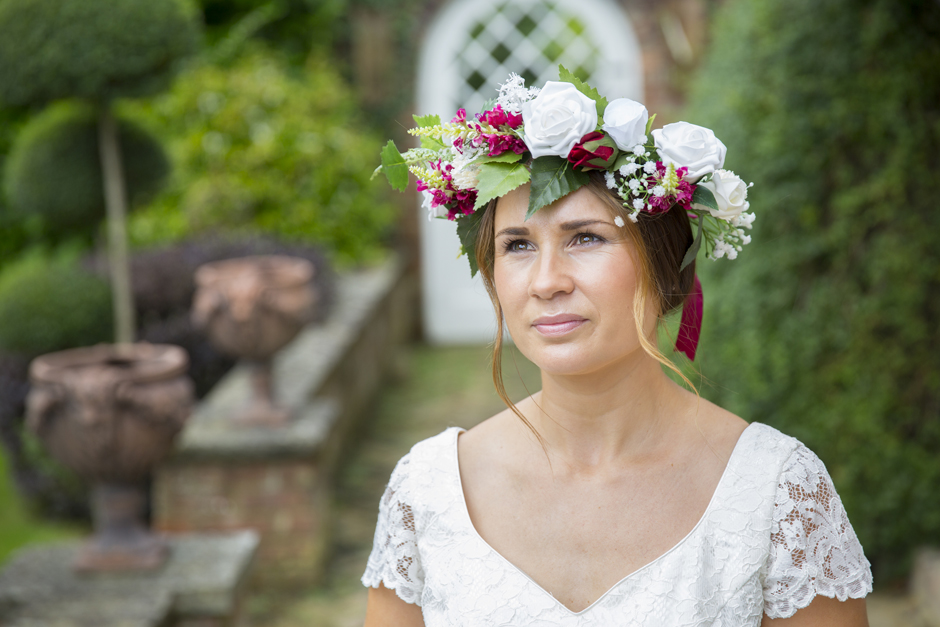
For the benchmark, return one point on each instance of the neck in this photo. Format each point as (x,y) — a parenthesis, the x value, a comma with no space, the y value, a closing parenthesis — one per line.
(622,412)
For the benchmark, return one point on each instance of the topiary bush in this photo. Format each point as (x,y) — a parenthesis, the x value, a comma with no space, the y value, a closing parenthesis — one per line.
(256,147)
(94,49)
(50,304)
(826,325)
(60,145)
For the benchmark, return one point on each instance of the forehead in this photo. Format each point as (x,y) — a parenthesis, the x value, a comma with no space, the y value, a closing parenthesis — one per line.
(581,204)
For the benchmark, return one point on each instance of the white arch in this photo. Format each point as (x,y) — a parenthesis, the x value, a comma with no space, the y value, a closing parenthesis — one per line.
(456,308)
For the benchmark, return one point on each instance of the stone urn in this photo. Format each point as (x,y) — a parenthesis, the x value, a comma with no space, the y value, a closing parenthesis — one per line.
(110,413)
(251,307)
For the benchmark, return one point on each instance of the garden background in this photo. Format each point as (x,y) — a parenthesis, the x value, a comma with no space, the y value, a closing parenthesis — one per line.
(266,139)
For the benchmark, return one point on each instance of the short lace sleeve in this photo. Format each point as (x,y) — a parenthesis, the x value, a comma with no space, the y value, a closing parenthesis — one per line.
(814,550)
(394,561)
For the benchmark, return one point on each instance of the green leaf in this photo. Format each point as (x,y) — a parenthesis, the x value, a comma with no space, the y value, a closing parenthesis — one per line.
(696,244)
(621,161)
(489,104)
(394,166)
(567,77)
(649,124)
(552,178)
(704,196)
(498,179)
(424,121)
(506,157)
(468,227)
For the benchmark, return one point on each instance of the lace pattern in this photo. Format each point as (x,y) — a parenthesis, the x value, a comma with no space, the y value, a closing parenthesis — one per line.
(814,548)
(395,560)
(774,536)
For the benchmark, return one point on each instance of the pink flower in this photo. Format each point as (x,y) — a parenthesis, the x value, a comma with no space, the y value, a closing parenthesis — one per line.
(504,140)
(595,151)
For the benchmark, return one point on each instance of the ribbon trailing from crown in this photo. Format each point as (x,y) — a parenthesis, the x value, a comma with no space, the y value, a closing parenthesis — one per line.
(552,138)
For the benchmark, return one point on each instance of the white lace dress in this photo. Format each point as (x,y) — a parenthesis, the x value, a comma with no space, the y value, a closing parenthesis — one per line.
(774,535)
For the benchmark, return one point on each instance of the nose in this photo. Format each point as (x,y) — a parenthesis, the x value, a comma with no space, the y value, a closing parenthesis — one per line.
(551,275)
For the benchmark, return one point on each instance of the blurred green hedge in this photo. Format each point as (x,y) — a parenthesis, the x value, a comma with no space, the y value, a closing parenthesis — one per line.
(95,49)
(260,147)
(825,326)
(49,304)
(54,169)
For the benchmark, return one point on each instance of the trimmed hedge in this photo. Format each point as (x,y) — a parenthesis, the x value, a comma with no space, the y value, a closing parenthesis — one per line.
(826,325)
(54,169)
(94,49)
(48,305)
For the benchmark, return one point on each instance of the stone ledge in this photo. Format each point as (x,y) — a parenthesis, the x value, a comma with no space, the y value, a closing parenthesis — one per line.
(203,579)
(925,586)
(301,373)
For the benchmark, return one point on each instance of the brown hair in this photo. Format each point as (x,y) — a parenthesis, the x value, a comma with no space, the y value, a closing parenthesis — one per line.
(660,241)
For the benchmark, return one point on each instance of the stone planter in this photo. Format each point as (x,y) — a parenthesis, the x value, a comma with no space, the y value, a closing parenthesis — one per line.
(110,414)
(251,307)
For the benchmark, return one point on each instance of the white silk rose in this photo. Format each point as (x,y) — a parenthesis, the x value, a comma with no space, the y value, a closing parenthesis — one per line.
(557,119)
(730,195)
(690,146)
(625,121)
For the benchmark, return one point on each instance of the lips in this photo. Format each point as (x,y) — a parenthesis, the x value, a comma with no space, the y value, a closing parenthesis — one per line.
(558,324)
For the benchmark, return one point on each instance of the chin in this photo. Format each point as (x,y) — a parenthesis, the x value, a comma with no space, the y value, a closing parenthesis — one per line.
(574,358)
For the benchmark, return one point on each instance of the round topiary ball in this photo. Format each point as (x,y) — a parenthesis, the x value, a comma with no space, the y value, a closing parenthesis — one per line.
(54,168)
(47,306)
(95,49)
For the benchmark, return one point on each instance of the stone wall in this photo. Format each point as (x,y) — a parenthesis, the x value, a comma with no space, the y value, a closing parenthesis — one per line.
(278,481)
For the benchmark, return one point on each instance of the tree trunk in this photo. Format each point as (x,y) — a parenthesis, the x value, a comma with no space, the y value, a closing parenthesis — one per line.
(115,197)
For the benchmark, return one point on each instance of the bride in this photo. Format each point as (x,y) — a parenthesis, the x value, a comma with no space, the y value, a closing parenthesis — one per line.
(613,496)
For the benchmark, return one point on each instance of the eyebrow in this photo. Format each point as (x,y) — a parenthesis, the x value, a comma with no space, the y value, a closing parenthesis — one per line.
(574,225)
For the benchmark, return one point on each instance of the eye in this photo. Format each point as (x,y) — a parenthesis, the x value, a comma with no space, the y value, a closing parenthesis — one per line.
(583,239)
(516,245)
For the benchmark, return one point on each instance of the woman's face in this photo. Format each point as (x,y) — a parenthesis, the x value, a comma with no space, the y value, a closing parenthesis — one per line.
(566,280)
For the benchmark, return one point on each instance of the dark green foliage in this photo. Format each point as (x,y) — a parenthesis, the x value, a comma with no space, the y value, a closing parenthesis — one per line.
(50,305)
(258,147)
(826,326)
(54,169)
(14,233)
(95,49)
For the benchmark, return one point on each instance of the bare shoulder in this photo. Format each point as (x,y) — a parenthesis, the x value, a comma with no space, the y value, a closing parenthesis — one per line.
(497,441)
(720,428)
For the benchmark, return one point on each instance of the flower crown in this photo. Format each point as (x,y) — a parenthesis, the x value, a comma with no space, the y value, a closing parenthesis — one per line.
(552,137)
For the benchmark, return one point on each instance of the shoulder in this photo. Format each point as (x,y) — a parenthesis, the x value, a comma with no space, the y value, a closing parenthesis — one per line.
(425,471)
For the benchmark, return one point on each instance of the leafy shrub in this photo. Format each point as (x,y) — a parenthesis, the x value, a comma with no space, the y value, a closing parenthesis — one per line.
(826,325)
(54,169)
(50,304)
(95,49)
(256,148)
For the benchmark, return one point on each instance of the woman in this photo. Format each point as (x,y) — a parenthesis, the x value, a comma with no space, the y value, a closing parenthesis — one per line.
(613,496)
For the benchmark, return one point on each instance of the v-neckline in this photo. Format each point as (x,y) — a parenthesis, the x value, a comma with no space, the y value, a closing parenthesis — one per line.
(465,512)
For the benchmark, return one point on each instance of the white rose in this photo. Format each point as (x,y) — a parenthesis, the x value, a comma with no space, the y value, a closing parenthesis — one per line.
(625,121)
(557,119)
(730,195)
(690,146)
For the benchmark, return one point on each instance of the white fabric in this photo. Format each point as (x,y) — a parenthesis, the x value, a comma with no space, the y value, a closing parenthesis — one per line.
(774,535)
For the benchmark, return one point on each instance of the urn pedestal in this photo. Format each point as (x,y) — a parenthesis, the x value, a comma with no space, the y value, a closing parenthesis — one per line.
(110,413)
(251,307)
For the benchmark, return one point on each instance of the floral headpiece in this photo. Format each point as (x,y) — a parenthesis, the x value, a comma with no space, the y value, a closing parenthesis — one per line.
(552,137)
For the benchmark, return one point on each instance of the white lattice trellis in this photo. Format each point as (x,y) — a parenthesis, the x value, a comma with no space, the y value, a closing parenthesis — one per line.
(471,47)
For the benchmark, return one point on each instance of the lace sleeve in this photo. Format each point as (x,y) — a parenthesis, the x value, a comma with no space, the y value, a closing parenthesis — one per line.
(394,561)
(814,550)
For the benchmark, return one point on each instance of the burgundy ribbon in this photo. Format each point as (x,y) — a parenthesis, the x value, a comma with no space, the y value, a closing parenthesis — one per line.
(690,327)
